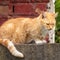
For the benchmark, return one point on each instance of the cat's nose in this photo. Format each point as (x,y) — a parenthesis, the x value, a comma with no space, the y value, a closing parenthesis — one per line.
(49,29)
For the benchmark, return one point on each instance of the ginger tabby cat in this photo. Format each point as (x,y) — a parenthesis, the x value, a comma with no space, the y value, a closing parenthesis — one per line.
(23,30)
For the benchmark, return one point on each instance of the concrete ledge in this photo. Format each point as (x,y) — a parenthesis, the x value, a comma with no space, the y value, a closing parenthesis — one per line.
(33,52)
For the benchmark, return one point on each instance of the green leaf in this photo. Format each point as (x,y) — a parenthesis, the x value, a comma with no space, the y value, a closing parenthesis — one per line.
(57,9)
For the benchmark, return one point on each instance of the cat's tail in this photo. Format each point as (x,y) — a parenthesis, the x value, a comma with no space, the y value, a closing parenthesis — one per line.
(7,43)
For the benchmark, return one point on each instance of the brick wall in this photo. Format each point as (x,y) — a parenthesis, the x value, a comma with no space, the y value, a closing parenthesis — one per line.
(24,1)
(15,8)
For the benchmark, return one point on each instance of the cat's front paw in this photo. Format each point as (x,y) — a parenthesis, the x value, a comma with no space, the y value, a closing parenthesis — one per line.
(40,41)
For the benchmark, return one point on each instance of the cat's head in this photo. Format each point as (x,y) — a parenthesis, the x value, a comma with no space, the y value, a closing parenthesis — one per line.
(47,19)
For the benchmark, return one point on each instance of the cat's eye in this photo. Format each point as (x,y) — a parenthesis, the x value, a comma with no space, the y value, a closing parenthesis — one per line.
(52,24)
(47,23)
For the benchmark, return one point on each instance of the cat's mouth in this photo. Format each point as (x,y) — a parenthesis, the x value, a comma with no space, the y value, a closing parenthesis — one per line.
(50,29)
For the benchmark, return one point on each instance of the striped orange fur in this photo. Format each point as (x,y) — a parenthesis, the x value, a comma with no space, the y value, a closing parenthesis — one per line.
(23,30)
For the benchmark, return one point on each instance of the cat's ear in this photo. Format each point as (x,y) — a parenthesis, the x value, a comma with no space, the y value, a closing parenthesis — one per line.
(39,11)
(56,14)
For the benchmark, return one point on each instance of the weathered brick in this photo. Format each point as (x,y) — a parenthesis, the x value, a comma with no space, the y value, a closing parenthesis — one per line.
(45,1)
(39,1)
(21,1)
(4,1)
(3,19)
(28,8)
(5,9)
(31,1)
(42,6)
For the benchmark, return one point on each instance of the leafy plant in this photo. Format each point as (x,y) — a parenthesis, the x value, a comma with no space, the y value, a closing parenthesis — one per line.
(57,9)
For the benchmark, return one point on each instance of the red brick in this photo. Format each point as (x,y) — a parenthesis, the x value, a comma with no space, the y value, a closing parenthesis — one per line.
(28,8)
(10,8)
(5,9)
(31,1)
(6,1)
(42,6)
(21,1)
(41,1)
(45,1)
(24,8)
(3,19)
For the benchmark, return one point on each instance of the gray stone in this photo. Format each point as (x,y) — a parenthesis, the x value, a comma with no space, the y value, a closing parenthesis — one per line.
(33,52)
